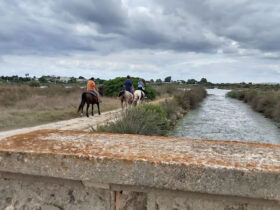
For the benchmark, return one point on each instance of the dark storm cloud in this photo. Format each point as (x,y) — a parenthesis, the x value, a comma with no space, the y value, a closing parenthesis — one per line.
(107,14)
(253,24)
(52,26)
(49,27)
(27,32)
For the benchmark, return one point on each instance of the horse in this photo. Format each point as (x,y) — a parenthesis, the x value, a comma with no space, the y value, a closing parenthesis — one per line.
(138,97)
(126,98)
(92,99)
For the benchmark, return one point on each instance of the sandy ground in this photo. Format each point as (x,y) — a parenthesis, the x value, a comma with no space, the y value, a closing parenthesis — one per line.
(81,123)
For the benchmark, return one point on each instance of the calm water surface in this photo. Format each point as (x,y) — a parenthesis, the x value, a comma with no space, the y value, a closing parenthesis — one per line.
(222,118)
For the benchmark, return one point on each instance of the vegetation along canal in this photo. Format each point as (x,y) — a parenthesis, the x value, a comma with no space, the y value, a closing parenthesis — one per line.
(223,118)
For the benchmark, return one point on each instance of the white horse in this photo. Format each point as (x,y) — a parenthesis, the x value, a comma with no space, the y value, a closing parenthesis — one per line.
(139,96)
(126,98)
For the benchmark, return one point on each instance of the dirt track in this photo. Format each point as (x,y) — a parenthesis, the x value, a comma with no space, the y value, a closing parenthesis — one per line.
(81,123)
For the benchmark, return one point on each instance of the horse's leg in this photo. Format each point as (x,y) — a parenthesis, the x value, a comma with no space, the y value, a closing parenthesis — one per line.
(87,109)
(98,107)
(122,104)
(136,101)
(92,111)
(81,107)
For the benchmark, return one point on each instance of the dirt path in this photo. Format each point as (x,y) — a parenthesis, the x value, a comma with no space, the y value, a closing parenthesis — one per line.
(81,123)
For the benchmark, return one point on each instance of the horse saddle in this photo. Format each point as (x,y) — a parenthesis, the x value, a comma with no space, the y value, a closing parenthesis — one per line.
(92,93)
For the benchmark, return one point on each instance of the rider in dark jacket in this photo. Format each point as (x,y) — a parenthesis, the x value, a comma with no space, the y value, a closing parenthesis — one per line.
(128,85)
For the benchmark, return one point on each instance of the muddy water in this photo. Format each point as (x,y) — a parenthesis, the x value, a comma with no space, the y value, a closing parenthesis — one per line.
(222,118)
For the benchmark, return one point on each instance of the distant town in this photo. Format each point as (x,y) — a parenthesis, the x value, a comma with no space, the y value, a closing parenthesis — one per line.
(52,79)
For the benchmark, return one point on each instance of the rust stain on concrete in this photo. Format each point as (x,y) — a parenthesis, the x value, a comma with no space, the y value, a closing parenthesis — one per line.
(153,149)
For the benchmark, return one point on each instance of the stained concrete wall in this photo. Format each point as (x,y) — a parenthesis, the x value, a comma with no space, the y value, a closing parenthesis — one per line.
(54,170)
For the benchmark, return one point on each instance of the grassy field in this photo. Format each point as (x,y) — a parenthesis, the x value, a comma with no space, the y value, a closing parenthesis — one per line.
(24,106)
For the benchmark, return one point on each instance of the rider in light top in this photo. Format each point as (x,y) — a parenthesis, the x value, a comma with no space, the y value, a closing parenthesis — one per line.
(141,85)
(91,87)
(128,85)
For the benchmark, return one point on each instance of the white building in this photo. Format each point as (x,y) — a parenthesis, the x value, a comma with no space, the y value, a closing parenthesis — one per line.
(64,79)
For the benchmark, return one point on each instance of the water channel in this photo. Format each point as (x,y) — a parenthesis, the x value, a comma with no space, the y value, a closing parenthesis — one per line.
(222,118)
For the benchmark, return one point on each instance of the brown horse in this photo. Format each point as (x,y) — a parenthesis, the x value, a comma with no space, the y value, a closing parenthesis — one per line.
(90,99)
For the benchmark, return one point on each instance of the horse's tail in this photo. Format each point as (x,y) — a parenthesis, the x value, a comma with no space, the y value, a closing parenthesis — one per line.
(83,101)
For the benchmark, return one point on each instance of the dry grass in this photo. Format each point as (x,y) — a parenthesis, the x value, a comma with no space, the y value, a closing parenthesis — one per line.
(266,102)
(24,106)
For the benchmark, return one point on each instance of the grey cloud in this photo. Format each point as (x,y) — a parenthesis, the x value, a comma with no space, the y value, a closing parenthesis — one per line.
(253,24)
(53,32)
(240,29)
(108,15)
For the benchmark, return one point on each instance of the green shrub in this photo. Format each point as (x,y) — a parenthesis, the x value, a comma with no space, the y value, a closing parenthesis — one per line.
(146,119)
(189,99)
(114,86)
(165,89)
(34,83)
(150,92)
(171,108)
(264,101)
(237,95)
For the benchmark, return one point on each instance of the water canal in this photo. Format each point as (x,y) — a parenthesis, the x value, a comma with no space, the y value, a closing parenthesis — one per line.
(222,118)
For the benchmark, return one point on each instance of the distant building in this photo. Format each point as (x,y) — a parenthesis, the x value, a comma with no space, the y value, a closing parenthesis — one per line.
(64,79)
(81,80)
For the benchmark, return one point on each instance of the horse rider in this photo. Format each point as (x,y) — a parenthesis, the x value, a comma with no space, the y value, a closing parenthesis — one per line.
(141,86)
(91,87)
(128,85)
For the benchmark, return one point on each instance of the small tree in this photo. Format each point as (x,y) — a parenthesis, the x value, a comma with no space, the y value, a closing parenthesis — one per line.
(99,81)
(191,81)
(158,81)
(114,86)
(203,81)
(72,80)
(34,83)
(167,79)
(43,79)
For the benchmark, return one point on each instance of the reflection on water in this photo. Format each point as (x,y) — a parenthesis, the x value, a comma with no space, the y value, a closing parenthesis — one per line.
(222,118)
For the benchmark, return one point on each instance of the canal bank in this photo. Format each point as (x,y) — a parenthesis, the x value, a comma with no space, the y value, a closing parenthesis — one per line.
(223,118)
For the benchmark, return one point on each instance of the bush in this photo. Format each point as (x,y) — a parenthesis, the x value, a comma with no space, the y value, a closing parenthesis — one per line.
(114,86)
(146,119)
(150,92)
(34,83)
(165,89)
(189,99)
(266,102)
(171,107)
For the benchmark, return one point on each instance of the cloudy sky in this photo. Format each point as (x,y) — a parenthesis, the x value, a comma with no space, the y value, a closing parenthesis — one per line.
(224,41)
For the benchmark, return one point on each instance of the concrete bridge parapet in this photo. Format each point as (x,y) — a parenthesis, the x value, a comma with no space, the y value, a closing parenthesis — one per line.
(51,169)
